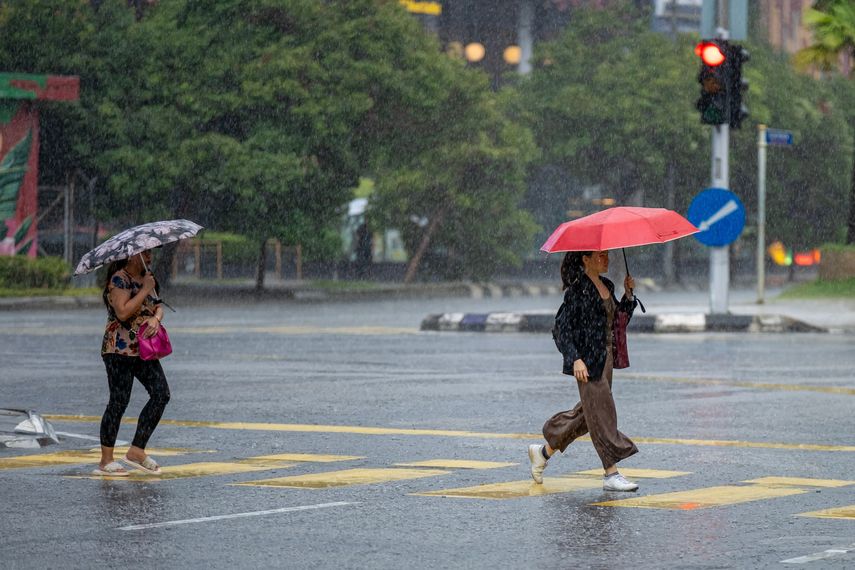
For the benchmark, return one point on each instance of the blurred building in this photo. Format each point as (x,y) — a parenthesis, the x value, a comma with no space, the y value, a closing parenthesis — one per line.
(498,35)
(783,23)
(677,16)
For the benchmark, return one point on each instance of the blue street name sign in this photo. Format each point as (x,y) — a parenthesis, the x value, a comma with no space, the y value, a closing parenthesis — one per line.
(719,214)
(776,137)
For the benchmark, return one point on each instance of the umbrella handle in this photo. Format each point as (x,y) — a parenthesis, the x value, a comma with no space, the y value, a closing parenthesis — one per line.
(146,270)
(626,266)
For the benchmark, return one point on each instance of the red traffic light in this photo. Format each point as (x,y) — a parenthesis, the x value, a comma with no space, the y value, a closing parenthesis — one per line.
(710,53)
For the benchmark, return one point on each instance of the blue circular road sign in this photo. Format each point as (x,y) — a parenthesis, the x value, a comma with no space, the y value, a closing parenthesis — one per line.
(719,214)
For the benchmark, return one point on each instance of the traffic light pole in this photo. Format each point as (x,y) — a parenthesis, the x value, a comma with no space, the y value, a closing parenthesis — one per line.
(720,256)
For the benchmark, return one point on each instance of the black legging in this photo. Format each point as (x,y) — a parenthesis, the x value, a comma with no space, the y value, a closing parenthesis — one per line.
(121,371)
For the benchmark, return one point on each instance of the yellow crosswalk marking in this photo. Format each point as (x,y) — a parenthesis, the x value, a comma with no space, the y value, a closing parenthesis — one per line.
(704,498)
(456,464)
(201,469)
(836,513)
(519,489)
(300,457)
(213,468)
(367,430)
(799,482)
(76,457)
(344,478)
(638,473)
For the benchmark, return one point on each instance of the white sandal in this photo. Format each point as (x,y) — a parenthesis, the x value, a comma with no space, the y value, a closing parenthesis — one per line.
(148,465)
(112,469)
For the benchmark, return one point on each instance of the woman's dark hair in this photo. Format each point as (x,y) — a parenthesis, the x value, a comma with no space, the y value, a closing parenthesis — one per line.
(111,270)
(572,268)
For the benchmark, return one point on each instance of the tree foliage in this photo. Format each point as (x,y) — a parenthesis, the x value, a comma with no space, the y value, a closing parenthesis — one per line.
(251,116)
(612,103)
(833,23)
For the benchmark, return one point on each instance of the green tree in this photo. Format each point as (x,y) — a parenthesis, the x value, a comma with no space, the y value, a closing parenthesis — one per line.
(833,23)
(461,199)
(252,116)
(607,102)
(611,104)
(807,183)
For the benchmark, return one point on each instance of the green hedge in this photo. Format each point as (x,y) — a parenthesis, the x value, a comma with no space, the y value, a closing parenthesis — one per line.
(837,247)
(21,272)
(236,248)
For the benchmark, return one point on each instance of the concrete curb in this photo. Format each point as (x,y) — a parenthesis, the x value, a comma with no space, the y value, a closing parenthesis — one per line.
(542,322)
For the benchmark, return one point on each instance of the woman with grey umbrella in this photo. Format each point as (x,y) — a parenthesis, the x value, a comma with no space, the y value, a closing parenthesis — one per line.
(130,295)
(133,301)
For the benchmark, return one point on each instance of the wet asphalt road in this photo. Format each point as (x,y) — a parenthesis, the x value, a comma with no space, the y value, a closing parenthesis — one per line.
(723,409)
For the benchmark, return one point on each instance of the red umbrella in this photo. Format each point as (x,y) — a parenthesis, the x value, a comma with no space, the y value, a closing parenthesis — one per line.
(619,227)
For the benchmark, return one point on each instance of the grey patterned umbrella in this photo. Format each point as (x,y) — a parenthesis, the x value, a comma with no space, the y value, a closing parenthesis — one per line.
(136,240)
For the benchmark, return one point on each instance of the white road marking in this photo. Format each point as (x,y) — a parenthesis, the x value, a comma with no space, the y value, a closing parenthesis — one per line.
(235,516)
(725,210)
(118,443)
(830,553)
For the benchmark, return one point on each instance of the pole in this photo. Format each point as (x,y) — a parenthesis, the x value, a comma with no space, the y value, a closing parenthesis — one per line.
(761,213)
(525,36)
(626,266)
(66,256)
(720,256)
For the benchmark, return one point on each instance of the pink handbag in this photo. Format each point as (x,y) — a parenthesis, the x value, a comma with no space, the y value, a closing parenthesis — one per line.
(156,347)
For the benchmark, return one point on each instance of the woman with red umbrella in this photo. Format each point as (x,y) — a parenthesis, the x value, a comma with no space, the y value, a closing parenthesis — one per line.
(585,337)
(586,327)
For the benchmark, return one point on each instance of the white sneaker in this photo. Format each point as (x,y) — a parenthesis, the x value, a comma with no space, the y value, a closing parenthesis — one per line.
(617,482)
(538,462)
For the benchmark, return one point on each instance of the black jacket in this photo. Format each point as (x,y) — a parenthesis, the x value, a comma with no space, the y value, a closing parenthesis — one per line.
(584,333)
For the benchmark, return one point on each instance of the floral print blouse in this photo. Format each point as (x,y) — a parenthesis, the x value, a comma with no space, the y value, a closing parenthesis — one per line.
(119,337)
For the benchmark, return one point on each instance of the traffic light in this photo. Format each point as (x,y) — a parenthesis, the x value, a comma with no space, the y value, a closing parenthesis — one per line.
(714,82)
(721,83)
(738,111)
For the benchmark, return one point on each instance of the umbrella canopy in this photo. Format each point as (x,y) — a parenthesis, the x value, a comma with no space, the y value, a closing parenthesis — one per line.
(619,227)
(136,240)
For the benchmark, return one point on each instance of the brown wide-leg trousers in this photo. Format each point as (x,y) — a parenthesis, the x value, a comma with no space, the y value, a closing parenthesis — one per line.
(596,415)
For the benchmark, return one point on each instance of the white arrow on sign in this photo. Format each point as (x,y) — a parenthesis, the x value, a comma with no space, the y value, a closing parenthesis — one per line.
(725,210)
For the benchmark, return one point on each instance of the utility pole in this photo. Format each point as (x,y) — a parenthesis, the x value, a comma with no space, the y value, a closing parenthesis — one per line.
(761,213)
(525,35)
(68,221)
(720,255)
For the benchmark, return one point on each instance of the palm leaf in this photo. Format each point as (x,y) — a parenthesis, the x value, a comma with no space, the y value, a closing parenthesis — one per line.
(22,250)
(818,55)
(12,171)
(833,26)
(22,231)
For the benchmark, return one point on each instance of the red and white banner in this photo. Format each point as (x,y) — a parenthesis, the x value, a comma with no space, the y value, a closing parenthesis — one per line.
(19,167)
